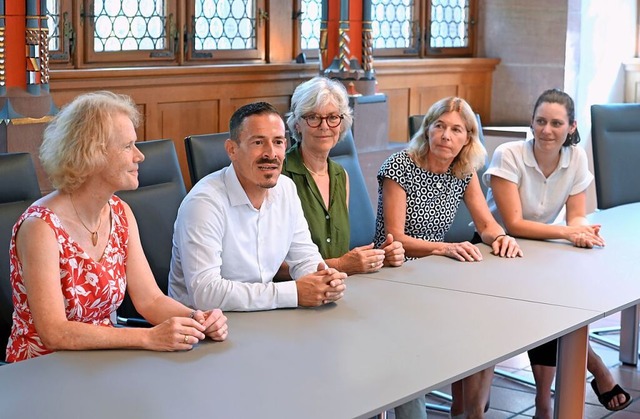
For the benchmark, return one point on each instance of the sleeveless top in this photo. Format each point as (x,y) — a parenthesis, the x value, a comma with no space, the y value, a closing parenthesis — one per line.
(92,290)
(330,229)
(432,198)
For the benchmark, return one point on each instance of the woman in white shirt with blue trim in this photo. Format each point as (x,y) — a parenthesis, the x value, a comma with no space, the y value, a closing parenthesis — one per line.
(531,182)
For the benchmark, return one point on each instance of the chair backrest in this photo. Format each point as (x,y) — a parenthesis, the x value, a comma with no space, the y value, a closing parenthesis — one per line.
(615,132)
(155,204)
(414,124)
(18,189)
(361,216)
(205,154)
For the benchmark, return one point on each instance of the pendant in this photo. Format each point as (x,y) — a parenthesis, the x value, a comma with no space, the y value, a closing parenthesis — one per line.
(94,238)
(439,185)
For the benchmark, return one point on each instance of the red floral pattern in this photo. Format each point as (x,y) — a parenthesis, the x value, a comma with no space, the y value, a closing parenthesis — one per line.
(92,290)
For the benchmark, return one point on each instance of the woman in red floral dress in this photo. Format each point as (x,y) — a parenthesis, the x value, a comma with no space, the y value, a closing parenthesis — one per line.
(74,252)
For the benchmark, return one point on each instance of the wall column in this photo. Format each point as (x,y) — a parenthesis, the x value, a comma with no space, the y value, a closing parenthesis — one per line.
(346,53)
(25,103)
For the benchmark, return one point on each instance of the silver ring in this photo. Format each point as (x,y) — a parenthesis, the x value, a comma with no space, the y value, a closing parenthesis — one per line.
(186,339)
(373,265)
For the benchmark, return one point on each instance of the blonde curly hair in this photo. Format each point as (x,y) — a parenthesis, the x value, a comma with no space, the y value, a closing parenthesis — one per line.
(75,142)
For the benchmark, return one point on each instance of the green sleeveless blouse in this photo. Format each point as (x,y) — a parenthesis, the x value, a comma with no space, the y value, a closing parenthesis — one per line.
(329,227)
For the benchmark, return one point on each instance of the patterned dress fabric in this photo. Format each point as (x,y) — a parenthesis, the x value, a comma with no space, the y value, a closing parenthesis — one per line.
(432,198)
(92,290)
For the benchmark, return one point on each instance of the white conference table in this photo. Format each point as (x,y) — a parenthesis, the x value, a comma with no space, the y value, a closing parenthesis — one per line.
(553,272)
(623,225)
(383,344)
(604,279)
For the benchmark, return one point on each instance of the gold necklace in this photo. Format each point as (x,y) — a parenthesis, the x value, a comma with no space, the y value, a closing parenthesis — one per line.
(314,173)
(94,234)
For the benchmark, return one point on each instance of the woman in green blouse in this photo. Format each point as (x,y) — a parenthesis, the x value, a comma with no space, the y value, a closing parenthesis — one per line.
(319,117)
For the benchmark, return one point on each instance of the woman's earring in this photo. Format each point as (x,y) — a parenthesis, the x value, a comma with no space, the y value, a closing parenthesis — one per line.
(571,137)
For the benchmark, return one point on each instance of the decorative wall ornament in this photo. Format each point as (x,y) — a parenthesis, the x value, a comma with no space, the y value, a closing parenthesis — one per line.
(44,51)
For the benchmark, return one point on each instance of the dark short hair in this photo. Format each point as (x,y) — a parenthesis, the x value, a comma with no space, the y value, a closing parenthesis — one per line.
(562,98)
(243,112)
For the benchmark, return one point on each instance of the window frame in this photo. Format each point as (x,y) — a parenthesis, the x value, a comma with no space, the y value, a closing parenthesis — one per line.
(139,57)
(467,51)
(216,56)
(63,55)
(310,54)
(415,49)
(422,33)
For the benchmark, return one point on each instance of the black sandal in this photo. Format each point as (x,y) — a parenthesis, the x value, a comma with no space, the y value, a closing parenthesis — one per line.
(605,398)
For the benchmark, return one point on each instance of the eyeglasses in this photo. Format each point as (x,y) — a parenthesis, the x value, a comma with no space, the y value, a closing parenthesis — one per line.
(314,121)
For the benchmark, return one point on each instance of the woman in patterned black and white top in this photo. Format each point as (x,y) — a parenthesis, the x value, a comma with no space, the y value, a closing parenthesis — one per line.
(419,192)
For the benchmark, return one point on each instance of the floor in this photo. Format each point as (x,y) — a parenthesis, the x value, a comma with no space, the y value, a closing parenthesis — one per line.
(510,399)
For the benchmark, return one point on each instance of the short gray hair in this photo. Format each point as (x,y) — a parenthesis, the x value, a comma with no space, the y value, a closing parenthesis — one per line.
(317,92)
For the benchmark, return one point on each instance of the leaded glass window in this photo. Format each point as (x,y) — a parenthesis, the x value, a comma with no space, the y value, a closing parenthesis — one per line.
(449,24)
(126,25)
(310,18)
(392,23)
(53,23)
(224,25)
(60,35)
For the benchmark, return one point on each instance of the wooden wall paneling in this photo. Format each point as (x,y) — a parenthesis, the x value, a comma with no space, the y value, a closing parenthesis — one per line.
(431,94)
(281,103)
(180,119)
(433,79)
(142,128)
(398,106)
(474,94)
(183,100)
(23,136)
(280,33)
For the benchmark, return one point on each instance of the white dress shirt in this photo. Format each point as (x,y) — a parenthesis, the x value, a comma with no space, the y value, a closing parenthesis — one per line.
(226,252)
(542,198)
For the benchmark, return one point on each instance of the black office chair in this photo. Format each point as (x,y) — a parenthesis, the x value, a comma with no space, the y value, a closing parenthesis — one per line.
(18,189)
(205,154)
(414,124)
(155,204)
(362,219)
(615,133)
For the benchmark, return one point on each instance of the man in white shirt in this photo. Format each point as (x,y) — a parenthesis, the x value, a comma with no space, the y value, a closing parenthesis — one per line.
(237,225)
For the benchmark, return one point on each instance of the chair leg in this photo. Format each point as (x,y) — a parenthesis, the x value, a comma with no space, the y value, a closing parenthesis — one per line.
(439,407)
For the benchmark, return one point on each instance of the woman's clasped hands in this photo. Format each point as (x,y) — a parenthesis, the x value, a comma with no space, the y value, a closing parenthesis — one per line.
(586,236)
(182,333)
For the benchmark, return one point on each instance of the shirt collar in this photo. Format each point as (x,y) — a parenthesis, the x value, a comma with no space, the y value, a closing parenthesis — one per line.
(530,159)
(294,164)
(293,160)
(237,194)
